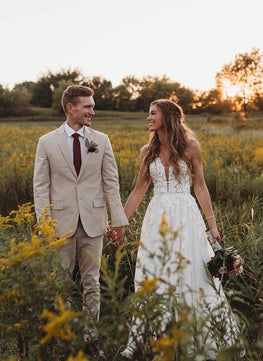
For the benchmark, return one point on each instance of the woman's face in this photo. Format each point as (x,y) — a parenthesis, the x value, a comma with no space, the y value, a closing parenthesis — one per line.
(155,118)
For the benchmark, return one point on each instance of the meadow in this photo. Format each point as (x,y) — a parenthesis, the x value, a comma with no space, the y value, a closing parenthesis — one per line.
(233,165)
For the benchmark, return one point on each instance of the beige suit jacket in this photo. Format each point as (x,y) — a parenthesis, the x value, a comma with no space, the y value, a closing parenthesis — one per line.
(71,196)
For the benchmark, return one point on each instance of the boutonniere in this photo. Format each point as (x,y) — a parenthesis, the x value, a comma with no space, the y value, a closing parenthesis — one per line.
(91,146)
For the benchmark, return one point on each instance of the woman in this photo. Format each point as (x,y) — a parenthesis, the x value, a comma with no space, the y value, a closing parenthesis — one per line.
(172,161)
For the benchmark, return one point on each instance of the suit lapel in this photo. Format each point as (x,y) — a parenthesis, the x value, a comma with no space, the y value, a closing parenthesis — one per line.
(86,155)
(62,142)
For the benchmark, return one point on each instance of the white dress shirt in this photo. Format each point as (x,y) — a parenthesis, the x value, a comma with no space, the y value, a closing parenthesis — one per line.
(69,132)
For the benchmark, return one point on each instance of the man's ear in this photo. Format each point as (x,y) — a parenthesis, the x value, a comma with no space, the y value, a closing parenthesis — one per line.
(69,107)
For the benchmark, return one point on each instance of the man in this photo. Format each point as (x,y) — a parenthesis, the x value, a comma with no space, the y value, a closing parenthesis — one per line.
(76,172)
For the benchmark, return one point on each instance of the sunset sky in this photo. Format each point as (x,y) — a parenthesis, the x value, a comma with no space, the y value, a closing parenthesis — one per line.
(186,40)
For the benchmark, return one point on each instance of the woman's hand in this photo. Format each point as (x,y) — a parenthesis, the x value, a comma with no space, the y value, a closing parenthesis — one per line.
(215,234)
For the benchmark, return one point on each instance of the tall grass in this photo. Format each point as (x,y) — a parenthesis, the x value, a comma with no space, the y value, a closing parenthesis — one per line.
(233,164)
(36,324)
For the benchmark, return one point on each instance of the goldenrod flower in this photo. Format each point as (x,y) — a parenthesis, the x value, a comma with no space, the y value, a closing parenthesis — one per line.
(79,357)
(57,327)
(19,252)
(163,226)
(184,314)
(258,155)
(4,222)
(179,335)
(147,286)
(23,214)
(168,344)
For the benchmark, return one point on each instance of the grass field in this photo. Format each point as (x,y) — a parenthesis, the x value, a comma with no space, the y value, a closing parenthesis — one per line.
(233,164)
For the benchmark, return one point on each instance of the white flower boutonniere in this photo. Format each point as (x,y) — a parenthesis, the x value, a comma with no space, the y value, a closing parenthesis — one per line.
(91,146)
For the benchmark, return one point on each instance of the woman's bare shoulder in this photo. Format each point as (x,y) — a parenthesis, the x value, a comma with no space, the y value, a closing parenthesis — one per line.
(144,149)
(192,147)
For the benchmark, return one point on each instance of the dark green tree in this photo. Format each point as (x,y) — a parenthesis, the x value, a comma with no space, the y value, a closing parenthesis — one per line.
(258,101)
(103,92)
(14,102)
(210,102)
(44,87)
(184,97)
(152,88)
(28,85)
(57,95)
(126,93)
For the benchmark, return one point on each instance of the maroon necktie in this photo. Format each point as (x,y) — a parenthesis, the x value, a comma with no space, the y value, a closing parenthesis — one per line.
(76,152)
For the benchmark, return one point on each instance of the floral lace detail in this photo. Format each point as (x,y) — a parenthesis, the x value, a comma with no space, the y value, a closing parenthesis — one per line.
(161,185)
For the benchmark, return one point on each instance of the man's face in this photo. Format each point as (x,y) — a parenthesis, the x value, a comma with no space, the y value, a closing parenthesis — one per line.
(81,113)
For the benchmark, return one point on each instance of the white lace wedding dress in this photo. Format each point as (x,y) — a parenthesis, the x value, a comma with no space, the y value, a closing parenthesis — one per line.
(173,200)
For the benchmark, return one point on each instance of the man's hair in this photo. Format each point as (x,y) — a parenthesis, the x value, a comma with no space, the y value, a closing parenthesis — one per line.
(71,94)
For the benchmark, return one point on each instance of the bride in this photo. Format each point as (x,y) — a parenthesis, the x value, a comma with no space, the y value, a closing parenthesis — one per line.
(172,160)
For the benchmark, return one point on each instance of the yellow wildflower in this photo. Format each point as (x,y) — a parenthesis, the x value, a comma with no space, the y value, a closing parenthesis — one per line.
(258,155)
(4,222)
(57,327)
(163,226)
(167,344)
(19,252)
(79,357)
(24,214)
(58,242)
(185,313)
(147,286)
(47,228)
(179,335)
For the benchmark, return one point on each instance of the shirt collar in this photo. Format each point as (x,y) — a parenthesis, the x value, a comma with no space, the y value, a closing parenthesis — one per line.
(69,131)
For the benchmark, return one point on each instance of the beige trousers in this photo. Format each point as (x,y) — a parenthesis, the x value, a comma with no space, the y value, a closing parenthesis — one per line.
(88,252)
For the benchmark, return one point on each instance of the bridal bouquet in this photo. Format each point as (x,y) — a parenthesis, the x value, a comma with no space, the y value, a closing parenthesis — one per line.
(225,263)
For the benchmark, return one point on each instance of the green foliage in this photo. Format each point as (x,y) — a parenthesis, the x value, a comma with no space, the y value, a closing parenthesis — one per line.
(103,92)
(44,87)
(31,279)
(152,88)
(14,102)
(57,95)
(33,286)
(233,169)
(125,95)
(211,102)
(132,94)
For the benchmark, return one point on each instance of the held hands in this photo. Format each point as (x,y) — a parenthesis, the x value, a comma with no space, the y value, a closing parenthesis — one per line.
(215,234)
(115,233)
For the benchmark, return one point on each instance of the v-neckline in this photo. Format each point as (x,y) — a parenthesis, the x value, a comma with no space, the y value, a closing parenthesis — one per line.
(166,173)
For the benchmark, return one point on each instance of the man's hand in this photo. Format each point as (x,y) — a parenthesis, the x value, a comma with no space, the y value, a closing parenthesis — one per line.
(116,234)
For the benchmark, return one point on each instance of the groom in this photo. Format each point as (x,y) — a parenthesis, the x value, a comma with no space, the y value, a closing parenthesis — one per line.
(76,172)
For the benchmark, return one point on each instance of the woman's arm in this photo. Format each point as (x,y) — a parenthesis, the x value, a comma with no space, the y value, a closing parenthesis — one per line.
(200,188)
(136,196)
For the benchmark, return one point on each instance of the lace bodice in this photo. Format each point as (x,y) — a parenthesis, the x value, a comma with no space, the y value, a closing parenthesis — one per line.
(172,185)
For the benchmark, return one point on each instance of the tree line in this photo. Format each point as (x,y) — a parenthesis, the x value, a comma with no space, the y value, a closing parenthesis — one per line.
(239,87)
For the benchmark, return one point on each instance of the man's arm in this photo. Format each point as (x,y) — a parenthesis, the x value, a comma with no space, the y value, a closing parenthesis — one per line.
(112,191)
(41,179)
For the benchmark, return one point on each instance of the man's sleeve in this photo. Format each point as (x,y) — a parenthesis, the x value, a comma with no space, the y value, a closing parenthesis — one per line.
(41,179)
(111,187)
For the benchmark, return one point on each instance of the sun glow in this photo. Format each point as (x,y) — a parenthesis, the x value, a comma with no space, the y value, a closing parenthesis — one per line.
(229,90)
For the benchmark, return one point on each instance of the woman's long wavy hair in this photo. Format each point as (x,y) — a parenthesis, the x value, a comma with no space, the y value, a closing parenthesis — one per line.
(177,135)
